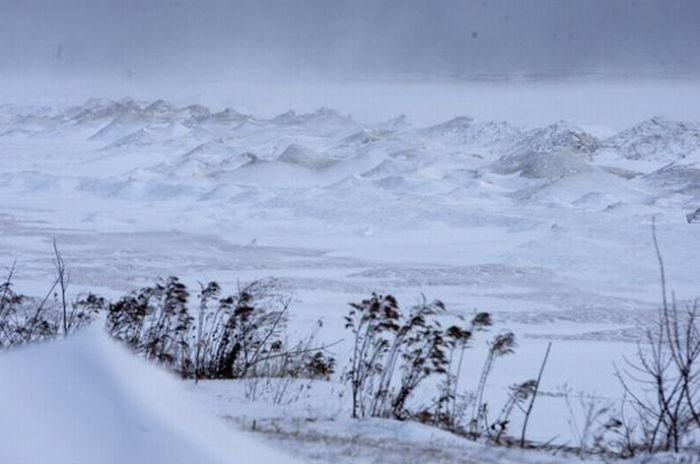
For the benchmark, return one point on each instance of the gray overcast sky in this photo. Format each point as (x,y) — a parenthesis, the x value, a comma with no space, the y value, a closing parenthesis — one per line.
(439,36)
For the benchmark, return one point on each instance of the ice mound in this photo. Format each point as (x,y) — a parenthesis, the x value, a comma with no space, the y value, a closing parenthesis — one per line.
(657,139)
(367,140)
(214,150)
(349,183)
(456,126)
(121,126)
(152,133)
(31,122)
(160,108)
(229,115)
(363,137)
(590,190)
(208,159)
(466,130)
(96,109)
(86,400)
(302,156)
(100,110)
(676,179)
(197,150)
(264,173)
(383,169)
(130,123)
(557,137)
(398,123)
(543,165)
(323,116)
(196,112)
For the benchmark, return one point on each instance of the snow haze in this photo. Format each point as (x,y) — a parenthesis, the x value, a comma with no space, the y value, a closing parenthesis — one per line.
(529,62)
(466,37)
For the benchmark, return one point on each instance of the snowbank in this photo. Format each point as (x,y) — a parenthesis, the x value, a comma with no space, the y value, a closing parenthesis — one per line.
(86,400)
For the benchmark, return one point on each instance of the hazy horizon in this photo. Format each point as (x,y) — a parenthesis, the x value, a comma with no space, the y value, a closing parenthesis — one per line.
(532,62)
(131,38)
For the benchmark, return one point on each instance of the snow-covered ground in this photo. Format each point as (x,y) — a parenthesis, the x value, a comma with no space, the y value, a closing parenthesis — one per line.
(87,400)
(545,226)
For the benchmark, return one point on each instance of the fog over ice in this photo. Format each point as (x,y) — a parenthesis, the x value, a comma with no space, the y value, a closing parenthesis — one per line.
(447,36)
(231,50)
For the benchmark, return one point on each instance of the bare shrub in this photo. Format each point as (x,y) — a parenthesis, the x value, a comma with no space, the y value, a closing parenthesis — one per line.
(243,330)
(518,394)
(62,279)
(285,379)
(394,353)
(26,320)
(155,321)
(241,335)
(451,403)
(373,323)
(589,417)
(237,336)
(662,382)
(501,345)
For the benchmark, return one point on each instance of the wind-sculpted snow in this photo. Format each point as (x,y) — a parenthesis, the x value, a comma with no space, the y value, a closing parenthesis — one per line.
(322,116)
(86,400)
(557,137)
(158,150)
(316,139)
(683,180)
(543,164)
(658,139)
(302,156)
(465,130)
(304,178)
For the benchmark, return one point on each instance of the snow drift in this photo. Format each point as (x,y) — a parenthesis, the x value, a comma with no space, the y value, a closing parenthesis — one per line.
(86,400)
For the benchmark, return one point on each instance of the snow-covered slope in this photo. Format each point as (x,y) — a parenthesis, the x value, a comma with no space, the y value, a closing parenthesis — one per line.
(86,400)
(657,139)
